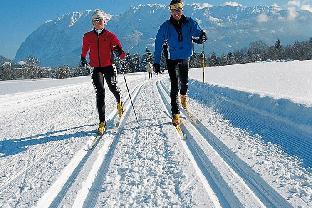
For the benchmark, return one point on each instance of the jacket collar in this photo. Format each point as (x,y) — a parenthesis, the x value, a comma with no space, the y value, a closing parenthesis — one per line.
(94,30)
(178,23)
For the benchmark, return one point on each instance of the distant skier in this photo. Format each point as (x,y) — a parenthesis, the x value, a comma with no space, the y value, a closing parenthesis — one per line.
(101,43)
(149,69)
(178,32)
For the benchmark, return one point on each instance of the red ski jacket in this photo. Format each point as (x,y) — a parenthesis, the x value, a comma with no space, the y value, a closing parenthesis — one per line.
(100,47)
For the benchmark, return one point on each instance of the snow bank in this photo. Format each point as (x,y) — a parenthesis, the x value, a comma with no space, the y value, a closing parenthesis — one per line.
(279,80)
(277,121)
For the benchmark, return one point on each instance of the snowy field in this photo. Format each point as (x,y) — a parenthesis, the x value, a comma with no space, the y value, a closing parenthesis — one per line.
(249,146)
(287,80)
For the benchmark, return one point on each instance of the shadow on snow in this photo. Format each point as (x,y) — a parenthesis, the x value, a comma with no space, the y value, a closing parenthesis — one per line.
(10,147)
(277,121)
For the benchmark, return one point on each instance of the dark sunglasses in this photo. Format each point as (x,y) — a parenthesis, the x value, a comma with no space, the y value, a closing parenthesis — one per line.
(176,10)
(97,20)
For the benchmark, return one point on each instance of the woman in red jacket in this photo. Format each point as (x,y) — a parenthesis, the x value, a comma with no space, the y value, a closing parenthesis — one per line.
(101,43)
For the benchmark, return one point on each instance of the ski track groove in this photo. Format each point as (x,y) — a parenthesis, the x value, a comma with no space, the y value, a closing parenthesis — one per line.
(213,194)
(254,183)
(88,193)
(137,196)
(57,192)
(35,99)
(43,155)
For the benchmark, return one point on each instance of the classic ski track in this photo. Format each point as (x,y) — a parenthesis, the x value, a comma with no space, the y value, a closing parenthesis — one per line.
(207,186)
(97,186)
(250,180)
(43,157)
(65,180)
(84,197)
(207,168)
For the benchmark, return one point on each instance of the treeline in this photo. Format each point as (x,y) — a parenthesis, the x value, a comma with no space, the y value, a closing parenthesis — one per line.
(257,51)
(30,69)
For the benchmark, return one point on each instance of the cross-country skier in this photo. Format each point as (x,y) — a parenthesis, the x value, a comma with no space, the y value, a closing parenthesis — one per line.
(101,43)
(178,32)
(149,69)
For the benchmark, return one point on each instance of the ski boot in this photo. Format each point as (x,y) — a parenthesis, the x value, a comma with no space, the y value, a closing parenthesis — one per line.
(183,99)
(102,127)
(120,109)
(176,121)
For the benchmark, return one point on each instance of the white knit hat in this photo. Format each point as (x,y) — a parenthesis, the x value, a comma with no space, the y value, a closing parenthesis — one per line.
(98,14)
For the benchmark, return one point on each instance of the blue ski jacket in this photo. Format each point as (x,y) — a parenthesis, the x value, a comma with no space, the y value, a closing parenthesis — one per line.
(178,49)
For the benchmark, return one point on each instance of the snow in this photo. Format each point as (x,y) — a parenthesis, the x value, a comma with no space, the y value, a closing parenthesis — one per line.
(248,146)
(233,4)
(307,7)
(200,6)
(289,80)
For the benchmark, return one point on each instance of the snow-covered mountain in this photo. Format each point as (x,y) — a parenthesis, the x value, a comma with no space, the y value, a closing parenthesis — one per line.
(229,27)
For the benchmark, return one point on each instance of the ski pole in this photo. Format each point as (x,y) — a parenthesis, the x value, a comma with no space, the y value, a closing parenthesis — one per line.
(130,97)
(203,62)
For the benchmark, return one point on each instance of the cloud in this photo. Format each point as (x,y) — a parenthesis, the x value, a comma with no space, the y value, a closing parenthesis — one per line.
(262,18)
(232,3)
(201,5)
(276,8)
(307,7)
(293,5)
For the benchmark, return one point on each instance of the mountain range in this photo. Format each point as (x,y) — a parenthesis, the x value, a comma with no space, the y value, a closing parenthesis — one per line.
(229,27)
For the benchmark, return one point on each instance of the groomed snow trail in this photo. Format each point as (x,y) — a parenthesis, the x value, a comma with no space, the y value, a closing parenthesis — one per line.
(147,166)
(143,163)
(41,131)
(236,184)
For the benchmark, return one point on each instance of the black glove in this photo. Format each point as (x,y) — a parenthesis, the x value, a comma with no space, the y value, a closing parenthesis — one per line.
(202,38)
(83,62)
(156,68)
(118,51)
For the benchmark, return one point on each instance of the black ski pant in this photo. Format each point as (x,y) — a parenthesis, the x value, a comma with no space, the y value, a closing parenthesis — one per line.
(110,75)
(178,73)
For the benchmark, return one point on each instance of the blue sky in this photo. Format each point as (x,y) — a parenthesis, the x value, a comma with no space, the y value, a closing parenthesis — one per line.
(21,17)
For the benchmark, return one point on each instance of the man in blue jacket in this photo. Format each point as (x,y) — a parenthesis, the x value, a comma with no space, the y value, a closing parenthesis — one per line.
(178,32)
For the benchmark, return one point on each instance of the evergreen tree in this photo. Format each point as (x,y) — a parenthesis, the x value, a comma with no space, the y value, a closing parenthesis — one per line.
(135,63)
(196,60)
(63,72)
(147,57)
(257,51)
(31,67)
(213,60)
(230,59)
(6,71)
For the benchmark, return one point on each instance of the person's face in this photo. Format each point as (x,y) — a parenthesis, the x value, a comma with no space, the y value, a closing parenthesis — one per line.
(98,23)
(176,13)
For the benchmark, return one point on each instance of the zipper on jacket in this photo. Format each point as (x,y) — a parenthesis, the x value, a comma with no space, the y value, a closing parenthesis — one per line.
(98,43)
